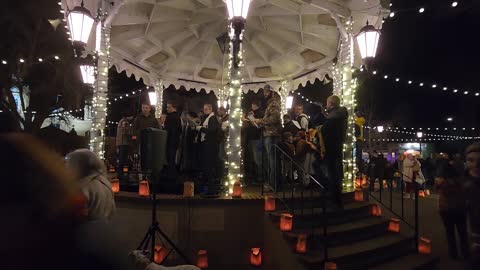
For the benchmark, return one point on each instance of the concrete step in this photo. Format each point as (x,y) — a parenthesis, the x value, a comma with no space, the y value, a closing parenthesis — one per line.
(307,219)
(362,254)
(341,234)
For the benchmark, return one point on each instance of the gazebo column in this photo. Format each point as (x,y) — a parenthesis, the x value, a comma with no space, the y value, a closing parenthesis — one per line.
(344,86)
(285,89)
(233,148)
(100,91)
(158,87)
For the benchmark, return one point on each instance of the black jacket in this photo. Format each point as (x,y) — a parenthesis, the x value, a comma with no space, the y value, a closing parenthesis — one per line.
(253,132)
(212,131)
(334,130)
(290,127)
(173,126)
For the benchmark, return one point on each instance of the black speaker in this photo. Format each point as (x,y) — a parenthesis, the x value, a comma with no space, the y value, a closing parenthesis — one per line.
(153,150)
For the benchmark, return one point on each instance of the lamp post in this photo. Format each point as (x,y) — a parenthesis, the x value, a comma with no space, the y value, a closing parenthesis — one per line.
(237,14)
(80,22)
(367,40)
(419,136)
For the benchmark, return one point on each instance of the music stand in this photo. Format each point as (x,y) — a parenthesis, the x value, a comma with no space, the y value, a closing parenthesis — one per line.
(152,231)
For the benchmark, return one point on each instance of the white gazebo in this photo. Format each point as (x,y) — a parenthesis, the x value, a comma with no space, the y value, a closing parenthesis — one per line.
(285,43)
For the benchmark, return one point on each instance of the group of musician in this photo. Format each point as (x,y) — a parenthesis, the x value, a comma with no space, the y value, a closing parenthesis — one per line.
(196,142)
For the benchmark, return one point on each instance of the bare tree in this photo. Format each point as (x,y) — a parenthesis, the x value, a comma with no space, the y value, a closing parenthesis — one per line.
(39,63)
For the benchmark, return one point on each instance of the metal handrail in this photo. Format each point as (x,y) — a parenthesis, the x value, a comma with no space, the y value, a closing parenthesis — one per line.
(316,183)
(415,225)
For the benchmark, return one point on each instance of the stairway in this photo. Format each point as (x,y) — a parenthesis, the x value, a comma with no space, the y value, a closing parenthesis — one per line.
(356,239)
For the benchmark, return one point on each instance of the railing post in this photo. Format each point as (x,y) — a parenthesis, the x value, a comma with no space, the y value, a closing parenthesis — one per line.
(263,165)
(275,180)
(401,195)
(380,189)
(391,193)
(324,218)
(416,212)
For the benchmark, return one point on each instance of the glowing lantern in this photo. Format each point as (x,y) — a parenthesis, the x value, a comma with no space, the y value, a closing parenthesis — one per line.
(188,189)
(424,246)
(202,259)
(358,183)
(394,225)
(375,210)
(125,169)
(286,222)
(427,192)
(394,184)
(421,193)
(160,254)
(256,256)
(88,74)
(269,203)
(301,246)
(364,180)
(237,190)
(80,22)
(143,188)
(330,266)
(115,185)
(237,8)
(358,195)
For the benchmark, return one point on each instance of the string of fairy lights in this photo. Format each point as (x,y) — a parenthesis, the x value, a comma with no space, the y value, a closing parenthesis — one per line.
(421,9)
(423,139)
(423,134)
(433,85)
(36,61)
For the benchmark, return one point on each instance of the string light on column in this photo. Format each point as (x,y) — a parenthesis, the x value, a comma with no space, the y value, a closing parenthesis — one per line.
(158,86)
(233,149)
(100,90)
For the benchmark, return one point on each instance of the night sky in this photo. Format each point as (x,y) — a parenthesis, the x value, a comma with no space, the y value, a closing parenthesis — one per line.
(439,46)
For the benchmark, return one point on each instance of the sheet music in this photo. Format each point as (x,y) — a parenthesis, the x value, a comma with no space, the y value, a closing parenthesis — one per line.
(251,118)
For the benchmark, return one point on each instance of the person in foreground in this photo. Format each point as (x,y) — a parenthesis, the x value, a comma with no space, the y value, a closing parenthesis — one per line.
(94,184)
(472,195)
(45,226)
(452,209)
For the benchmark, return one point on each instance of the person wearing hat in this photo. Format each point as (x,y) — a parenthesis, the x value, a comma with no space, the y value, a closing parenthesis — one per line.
(272,128)
(472,192)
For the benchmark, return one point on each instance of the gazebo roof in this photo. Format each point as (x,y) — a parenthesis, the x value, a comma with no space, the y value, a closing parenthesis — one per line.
(176,40)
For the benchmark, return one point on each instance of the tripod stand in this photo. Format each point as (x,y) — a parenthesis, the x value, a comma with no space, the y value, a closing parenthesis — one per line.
(153,230)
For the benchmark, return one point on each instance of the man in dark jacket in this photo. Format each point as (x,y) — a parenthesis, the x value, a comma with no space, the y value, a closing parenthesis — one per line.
(143,121)
(173,126)
(334,130)
(209,139)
